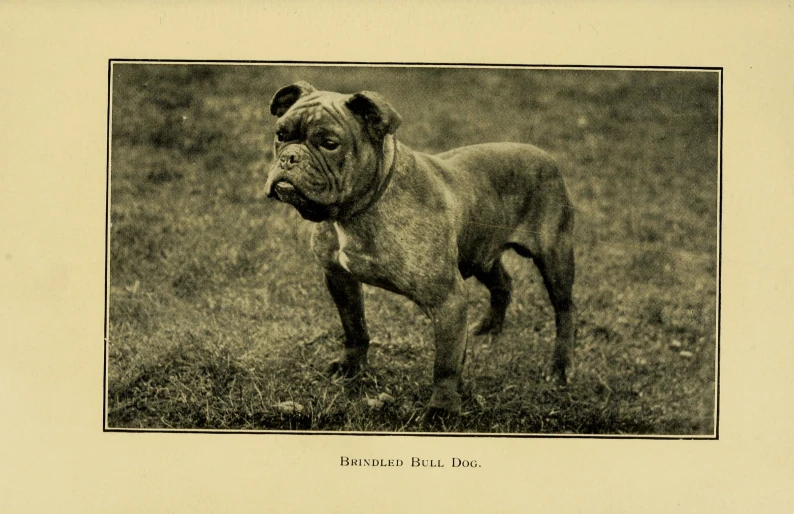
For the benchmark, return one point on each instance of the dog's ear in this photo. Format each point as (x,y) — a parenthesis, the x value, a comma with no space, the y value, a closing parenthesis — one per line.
(378,115)
(288,95)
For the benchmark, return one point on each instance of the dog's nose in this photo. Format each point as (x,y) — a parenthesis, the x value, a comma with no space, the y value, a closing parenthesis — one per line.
(288,159)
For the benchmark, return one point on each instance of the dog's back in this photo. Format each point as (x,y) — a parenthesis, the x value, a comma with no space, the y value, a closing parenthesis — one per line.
(510,168)
(512,194)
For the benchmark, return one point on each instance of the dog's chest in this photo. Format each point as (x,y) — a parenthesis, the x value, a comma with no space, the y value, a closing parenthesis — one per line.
(366,259)
(336,247)
(343,240)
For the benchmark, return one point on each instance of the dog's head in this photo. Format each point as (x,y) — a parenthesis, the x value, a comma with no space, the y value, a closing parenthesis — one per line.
(333,152)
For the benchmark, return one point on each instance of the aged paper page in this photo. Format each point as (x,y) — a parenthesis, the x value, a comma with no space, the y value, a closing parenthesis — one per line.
(54,106)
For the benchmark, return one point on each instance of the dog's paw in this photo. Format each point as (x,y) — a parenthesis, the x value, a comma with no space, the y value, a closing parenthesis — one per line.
(439,420)
(559,374)
(443,404)
(344,368)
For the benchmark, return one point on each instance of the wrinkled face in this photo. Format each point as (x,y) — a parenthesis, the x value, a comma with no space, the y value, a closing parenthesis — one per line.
(325,154)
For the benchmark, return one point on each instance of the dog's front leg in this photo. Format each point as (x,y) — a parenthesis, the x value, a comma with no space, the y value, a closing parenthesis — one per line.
(449,324)
(347,295)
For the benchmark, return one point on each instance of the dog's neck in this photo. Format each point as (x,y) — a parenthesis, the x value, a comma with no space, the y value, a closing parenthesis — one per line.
(381,179)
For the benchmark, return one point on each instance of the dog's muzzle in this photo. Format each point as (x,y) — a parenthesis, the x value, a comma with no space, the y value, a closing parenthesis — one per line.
(277,184)
(280,186)
(283,191)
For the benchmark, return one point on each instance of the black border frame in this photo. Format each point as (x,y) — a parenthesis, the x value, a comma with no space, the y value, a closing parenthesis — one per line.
(106,317)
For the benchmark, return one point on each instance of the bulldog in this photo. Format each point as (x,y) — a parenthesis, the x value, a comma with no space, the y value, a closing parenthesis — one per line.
(419,225)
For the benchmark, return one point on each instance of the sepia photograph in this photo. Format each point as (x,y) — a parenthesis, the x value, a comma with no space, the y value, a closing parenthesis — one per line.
(369,248)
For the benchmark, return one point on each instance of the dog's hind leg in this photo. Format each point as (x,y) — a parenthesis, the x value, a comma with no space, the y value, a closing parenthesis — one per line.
(548,241)
(499,285)
(555,261)
(557,270)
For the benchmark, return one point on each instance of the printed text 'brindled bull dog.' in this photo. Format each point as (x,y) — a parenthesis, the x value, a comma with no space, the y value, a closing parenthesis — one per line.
(419,224)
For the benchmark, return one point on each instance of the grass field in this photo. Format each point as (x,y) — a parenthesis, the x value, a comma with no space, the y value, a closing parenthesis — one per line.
(219,318)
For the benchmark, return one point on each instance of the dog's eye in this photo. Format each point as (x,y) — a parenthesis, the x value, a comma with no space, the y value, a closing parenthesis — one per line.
(329,144)
(281,136)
